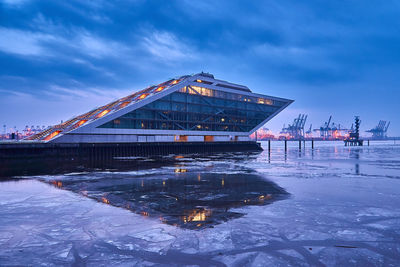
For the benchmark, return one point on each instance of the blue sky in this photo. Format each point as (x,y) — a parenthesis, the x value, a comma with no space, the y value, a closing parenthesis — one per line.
(340,58)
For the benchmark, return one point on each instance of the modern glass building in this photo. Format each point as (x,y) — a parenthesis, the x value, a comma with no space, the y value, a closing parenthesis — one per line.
(192,108)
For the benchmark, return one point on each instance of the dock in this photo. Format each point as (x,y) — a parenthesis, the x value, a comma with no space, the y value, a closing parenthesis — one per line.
(41,158)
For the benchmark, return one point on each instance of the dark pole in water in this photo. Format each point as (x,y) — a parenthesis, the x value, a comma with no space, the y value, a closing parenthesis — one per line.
(299,144)
(285,145)
(368,142)
(269,145)
(312,143)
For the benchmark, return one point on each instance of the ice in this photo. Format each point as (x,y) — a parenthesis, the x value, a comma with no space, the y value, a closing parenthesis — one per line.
(333,206)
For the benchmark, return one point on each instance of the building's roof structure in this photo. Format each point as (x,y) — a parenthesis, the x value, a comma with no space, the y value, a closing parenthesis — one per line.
(97,113)
(98,116)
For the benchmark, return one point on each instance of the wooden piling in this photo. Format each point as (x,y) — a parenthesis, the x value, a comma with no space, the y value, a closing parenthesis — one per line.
(285,145)
(269,146)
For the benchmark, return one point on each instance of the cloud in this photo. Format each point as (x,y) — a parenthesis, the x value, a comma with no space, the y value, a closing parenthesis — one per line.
(95,46)
(24,43)
(53,43)
(269,50)
(167,47)
(14,3)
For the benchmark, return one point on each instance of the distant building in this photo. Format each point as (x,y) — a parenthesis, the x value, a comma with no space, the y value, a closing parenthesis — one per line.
(195,108)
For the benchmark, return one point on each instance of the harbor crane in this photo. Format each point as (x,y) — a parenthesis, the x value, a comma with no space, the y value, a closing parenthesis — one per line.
(330,130)
(380,131)
(296,129)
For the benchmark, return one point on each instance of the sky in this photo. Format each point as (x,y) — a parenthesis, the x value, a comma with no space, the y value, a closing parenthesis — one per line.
(62,58)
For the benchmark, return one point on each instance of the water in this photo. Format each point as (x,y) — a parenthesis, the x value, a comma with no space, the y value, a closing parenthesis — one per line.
(333,205)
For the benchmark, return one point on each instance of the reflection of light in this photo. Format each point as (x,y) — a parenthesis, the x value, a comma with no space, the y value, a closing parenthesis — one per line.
(223,182)
(142,183)
(163,183)
(180,170)
(197,216)
(198,177)
(179,157)
(144,213)
(57,183)
(105,200)
(266,197)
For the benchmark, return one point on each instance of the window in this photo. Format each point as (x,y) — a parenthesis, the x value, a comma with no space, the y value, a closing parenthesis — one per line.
(195,108)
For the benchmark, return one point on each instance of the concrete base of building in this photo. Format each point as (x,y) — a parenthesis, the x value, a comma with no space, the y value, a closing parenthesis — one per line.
(44,158)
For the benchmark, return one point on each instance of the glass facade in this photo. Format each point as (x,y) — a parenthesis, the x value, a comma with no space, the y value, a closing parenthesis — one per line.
(194,108)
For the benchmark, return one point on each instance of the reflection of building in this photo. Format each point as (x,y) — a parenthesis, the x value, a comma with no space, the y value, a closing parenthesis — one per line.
(190,108)
(188,200)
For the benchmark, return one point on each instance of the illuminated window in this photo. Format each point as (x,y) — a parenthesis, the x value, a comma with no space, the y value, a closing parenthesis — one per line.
(101,114)
(143,96)
(174,82)
(124,104)
(80,123)
(51,136)
(208,138)
(186,110)
(268,101)
(264,101)
(206,82)
(180,138)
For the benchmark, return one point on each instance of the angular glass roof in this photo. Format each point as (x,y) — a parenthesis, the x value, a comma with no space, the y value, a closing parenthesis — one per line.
(97,113)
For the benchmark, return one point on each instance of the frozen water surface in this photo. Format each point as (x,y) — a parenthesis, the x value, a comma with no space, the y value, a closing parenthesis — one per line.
(330,206)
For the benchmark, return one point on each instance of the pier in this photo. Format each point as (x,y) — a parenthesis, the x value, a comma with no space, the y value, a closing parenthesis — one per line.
(42,158)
